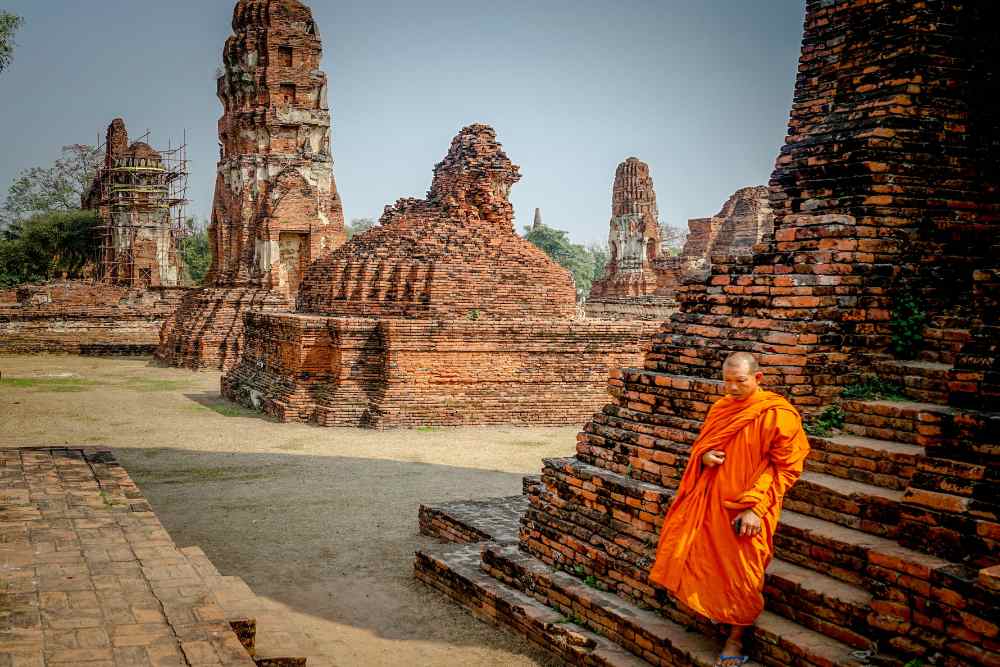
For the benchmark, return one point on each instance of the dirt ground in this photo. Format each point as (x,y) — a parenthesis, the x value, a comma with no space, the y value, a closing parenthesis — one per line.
(321,520)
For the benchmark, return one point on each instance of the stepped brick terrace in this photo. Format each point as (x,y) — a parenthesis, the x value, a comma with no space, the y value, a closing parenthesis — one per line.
(886,192)
(276,205)
(93,578)
(440,315)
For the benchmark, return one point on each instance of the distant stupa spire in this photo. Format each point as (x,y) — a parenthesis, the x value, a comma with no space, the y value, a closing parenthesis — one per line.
(538,219)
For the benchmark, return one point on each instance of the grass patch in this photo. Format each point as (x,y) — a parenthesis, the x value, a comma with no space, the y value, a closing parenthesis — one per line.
(823,424)
(207,475)
(428,429)
(873,388)
(67,384)
(151,385)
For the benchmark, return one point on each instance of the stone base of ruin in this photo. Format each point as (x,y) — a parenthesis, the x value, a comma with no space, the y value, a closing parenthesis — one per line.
(92,577)
(76,317)
(207,329)
(405,373)
(651,307)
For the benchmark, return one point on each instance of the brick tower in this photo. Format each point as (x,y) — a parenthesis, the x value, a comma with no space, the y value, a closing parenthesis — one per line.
(276,206)
(634,238)
(883,262)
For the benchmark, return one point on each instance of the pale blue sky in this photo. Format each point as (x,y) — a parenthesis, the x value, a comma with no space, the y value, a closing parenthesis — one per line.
(699,90)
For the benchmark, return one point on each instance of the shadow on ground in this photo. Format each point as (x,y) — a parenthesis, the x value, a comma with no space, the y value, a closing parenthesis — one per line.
(329,536)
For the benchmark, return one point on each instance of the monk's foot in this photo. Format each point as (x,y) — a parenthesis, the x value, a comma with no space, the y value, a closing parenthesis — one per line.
(732,655)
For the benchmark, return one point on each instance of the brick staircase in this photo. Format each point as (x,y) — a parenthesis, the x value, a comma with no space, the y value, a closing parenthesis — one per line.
(876,553)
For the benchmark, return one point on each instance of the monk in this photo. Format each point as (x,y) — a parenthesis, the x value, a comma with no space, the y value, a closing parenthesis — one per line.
(716,540)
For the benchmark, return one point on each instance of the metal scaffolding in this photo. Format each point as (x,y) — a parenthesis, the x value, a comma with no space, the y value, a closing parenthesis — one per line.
(142,194)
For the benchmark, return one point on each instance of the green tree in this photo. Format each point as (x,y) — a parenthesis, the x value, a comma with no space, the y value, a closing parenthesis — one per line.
(9,23)
(601,255)
(57,187)
(50,245)
(195,251)
(578,260)
(359,225)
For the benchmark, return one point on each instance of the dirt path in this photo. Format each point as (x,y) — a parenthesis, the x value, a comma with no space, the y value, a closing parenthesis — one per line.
(322,520)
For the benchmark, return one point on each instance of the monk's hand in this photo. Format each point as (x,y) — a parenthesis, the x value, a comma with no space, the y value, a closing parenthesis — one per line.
(749,524)
(713,458)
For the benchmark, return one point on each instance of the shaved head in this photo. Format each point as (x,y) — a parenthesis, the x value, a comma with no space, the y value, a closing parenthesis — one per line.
(739,359)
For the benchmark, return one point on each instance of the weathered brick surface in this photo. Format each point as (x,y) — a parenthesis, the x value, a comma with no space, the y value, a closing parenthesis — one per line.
(85,318)
(131,194)
(394,372)
(276,206)
(276,203)
(452,255)
(634,240)
(91,577)
(644,286)
(206,330)
(888,543)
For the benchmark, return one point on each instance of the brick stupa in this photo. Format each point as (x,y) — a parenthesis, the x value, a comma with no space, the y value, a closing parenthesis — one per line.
(439,315)
(276,205)
(886,194)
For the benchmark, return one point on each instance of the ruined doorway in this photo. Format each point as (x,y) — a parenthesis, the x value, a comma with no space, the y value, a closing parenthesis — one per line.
(293,254)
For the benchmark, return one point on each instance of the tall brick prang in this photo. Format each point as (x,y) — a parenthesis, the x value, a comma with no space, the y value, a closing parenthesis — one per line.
(441,314)
(634,239)
(276,206)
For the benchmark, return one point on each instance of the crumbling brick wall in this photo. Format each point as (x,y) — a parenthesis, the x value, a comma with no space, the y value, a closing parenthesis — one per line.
(85,318)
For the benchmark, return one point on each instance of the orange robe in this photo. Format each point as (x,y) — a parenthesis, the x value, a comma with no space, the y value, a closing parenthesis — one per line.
(699,558)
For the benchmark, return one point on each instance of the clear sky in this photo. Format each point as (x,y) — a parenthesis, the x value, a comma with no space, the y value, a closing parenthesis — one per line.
(698,89)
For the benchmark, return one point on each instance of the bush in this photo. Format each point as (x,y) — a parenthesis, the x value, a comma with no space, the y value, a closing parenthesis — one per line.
(50,245)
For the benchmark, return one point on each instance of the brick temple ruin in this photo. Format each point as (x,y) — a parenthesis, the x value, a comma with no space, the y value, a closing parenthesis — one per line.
(441,314)
(641,279)
(885,193)
(276,206)
(139,195)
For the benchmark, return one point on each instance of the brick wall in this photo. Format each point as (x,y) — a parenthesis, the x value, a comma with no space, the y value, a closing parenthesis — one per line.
(85,318)
(395,372)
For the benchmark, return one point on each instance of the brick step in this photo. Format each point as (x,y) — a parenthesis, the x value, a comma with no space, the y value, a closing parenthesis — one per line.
(909,422)
(946,431)
(871,509)
(261,625)
(659,640)
(455,571)
(823,604)
(925,381)
(882,463)
(942,344)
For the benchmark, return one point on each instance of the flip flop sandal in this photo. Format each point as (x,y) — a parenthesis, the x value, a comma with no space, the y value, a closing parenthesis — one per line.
(724,659)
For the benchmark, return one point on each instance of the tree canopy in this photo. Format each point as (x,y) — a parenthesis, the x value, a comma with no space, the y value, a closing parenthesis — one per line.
(50,245)
(57,187)
(586,264)
(359,225)
(195,251)
(9,23)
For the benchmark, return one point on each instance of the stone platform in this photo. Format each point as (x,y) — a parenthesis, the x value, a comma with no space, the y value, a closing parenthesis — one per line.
(90,577)
(338,371)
